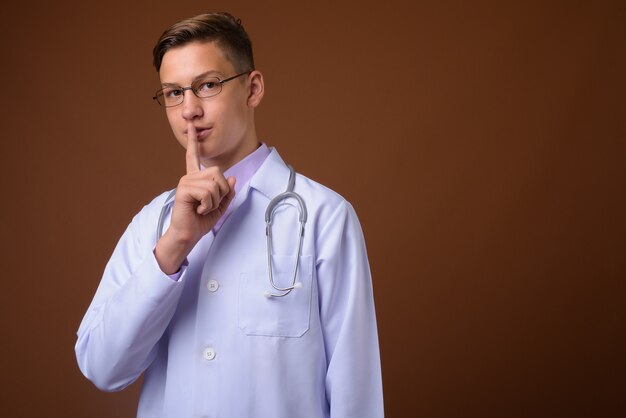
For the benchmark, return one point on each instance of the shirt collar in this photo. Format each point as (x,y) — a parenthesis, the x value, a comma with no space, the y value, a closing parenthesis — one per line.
(272,177)
(245,169)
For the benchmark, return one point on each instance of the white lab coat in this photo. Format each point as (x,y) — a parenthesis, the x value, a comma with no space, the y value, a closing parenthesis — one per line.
(212,345)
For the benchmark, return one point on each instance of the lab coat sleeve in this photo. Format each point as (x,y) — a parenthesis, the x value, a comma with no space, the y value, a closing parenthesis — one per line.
(135,301)
(353,377)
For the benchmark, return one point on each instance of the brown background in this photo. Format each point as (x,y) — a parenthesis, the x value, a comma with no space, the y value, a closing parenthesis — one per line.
(482,144)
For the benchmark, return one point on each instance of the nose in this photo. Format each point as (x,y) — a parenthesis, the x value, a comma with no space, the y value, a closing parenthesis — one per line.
(191,105)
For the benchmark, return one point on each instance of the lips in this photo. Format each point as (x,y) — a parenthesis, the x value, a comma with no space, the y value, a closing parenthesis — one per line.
(201,133)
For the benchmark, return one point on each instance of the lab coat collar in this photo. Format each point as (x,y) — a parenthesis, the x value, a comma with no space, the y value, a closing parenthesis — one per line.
(272,177)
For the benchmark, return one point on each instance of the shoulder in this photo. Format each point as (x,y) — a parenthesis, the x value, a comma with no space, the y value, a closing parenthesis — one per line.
(319,194)
(144,223)
(153,208)
(328,211)
(316,195)
(273,178)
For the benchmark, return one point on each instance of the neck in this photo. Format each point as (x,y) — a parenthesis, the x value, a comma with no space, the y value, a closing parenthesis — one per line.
(229,159)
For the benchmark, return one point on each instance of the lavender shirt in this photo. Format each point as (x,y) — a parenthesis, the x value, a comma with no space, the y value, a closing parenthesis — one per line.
(243,172)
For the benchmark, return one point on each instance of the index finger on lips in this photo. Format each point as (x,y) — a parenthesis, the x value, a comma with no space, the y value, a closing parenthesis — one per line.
(191,156)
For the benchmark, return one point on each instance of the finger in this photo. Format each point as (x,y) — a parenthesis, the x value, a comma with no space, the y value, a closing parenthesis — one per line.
(223,185)
(209,200)
(218,202)
(191,156)
(231,184)
(207,204)
(195,195)
(225,202)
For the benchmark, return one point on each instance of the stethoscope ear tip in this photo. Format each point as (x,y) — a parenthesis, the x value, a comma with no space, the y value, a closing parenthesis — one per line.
(298,285)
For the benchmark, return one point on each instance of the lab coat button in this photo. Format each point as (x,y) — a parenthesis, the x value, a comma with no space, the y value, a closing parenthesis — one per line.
(212,285)
(208,353)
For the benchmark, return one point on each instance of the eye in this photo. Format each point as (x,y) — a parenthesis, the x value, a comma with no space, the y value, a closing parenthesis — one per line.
(211,85)
(172,93)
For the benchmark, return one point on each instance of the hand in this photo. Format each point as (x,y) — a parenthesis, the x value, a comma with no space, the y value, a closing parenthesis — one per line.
(202,197)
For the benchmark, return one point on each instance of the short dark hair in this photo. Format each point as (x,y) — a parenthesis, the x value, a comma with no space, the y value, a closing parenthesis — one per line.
(222,28)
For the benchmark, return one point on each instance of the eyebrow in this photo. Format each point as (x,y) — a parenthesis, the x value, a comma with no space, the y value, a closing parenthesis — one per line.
(214,73)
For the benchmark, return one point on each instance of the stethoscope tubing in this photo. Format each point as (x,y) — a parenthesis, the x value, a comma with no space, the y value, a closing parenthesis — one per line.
(269,214)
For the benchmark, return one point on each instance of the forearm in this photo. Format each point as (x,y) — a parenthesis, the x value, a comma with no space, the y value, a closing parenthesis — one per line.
(119,334)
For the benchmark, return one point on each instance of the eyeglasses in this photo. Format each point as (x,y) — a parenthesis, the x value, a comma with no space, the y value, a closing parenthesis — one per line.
(202,88)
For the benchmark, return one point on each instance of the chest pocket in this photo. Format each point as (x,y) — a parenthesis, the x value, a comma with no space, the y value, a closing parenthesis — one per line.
(287,316)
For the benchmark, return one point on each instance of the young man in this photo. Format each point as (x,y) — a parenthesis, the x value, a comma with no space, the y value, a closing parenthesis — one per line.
(223,319)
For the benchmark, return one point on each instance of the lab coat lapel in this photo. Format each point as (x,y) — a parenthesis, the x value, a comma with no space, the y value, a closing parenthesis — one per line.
(272,177)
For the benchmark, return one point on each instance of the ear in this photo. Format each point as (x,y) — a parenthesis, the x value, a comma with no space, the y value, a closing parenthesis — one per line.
(257,88)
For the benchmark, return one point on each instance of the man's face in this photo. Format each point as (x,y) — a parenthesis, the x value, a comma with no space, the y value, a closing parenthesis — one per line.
(224,123)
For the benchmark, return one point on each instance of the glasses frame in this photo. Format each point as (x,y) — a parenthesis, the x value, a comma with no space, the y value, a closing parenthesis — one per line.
(190,87)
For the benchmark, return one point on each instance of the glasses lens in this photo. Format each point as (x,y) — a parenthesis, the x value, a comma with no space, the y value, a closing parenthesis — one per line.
(207,87)
(169,96)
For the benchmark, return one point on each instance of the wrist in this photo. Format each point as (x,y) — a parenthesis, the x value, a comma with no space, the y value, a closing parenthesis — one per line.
(171,251)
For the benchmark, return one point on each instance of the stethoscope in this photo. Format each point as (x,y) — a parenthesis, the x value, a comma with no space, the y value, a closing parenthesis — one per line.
(269,215)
